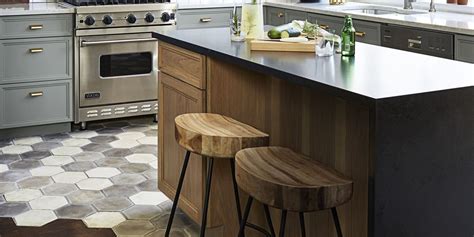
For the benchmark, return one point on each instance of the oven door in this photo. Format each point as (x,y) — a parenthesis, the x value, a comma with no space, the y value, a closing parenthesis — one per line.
(117,69)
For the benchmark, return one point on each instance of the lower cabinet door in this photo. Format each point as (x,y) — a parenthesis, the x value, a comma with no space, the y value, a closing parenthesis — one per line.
(28,104)
(175,98)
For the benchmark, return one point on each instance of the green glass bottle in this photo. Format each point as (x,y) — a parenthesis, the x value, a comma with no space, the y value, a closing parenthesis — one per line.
(348,38)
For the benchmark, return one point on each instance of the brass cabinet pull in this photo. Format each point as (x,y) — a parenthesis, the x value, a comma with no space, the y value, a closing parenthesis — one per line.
(36,94)
(36,27)
(206,19)
(281,14)
(360,34)
(36,50)
(324,27)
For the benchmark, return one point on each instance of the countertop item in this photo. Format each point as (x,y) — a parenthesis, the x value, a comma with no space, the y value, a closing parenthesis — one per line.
(441,21)
(39,8)
(374,73)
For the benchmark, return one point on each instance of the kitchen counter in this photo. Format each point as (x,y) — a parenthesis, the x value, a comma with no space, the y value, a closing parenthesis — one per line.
(374,73)
(399,124)
(39,8)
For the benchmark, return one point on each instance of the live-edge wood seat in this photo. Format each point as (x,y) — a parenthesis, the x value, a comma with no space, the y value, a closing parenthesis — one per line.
(212,136)
(281,178)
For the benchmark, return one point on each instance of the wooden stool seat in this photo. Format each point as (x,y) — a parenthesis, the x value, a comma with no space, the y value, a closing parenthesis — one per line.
(283,179)
(215,135)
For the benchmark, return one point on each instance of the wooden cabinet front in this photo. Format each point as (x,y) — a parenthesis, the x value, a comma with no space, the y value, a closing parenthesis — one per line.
(175,98)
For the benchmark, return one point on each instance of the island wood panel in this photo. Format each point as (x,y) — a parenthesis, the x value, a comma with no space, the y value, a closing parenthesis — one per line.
(175,98)
(324,127)
(183,64)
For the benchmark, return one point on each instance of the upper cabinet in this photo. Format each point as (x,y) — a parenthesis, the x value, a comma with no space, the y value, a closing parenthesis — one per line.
(464,48)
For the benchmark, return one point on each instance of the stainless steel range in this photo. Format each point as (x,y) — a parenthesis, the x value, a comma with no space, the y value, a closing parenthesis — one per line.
(116,58)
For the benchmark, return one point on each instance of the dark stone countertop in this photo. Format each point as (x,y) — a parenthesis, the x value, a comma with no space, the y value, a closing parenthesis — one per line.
(374,73)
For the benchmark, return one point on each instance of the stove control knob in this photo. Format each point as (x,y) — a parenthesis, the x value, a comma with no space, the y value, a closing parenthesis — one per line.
(89,20)
(107,20)
(131,19)
(149,17)
(165,17)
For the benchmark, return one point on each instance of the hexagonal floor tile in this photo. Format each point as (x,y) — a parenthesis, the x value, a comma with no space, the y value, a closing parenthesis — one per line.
(136,128)
(149,185)
(46,171)
(76,142)
(76,212)
(88,156)
(134,227)
(148,140)
(120,190)
(14,175)
(16,149)
(35,182)
(103,139)
(35,155)
(142,212)
(27,140)
(134,168)
(124,143)
(59,189)
(148,198)
(112,204)
(103,172)
(111,162)
(94,184)
(11,209)
(141,158)
(96,147)
(180,220)
(130,135)
(153,164)
(56,137)
(3,168)
(22,195)
(6,187)
(9,158)
(24,164)
(35,218)
(57,160)
(83,134)
(48,203)
(104,219)
(109,131)
(69,177)
(117,152)
(66,151)
(127,179)
(84,196)
(151,174)
(150,149)
(46,146)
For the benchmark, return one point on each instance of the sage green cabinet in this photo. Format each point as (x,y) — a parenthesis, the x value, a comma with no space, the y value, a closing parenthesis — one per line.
(274,16)
(18,27)
(464,48)
(291,15)
(203,18)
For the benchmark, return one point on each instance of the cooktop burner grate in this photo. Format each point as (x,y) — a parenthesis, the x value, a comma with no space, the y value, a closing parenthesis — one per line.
(111,2)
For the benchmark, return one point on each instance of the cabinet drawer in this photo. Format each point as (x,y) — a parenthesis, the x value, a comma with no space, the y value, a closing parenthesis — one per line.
(327,22)
(203,18)
(35,26)
(464,48)
(29,104)
(183,64)
(35,59)
(274,16)
(295,15)
(367,32)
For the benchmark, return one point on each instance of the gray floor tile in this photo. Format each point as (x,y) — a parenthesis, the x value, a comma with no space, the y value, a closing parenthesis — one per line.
(103,139)
(7,187)
(35,155)
(117,152)
(142,212)
(151,174)
(115,162)
(9,158)
(11,209)
(14,175)
(59,189)
(56,137)
(134,227)
(35,182)
(97,147)
(150,149)
(84,196)
(127,179)
(151,132)
(120,190)
(109,131)
(180,221)
(134,168)
(79,166)
(88,156)
(46,146)
(149,185)
(112,204)
(75,212)
(24,164)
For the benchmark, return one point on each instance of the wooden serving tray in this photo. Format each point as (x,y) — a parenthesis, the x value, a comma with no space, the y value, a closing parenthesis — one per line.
(264,45)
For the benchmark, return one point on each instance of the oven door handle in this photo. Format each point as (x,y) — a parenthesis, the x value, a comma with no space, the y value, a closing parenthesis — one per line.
(85,43)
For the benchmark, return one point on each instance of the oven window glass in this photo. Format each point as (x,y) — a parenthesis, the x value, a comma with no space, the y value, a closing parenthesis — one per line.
(114,65)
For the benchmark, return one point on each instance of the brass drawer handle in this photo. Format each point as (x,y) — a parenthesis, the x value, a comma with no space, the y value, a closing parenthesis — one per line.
(324,27)
(36,27)
(281,14)
(206,19)
(36,94)
(360,34)
(36,50)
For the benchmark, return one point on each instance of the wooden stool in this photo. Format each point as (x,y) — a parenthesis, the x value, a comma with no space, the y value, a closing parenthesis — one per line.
(283,179)
(212,136)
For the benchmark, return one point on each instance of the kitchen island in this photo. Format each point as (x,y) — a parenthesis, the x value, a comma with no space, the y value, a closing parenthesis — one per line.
(399,124)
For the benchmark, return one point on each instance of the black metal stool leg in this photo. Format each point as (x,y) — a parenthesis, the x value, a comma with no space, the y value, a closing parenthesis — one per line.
(206,198)
(336,222)
(302,227)
(236,191)
(246,216)
(269,220)
(178,192)
(283,223)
